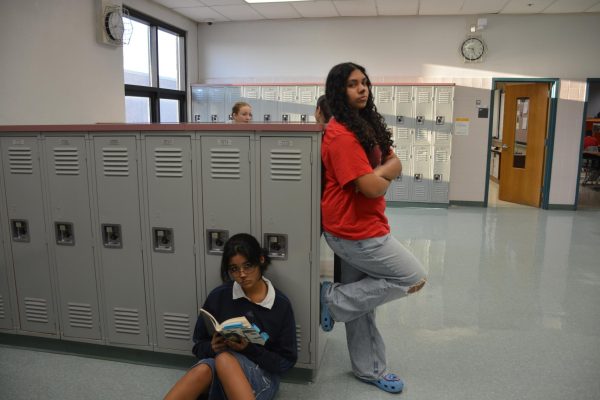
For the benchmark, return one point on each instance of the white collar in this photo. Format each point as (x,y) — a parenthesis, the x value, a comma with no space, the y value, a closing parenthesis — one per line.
(267,302)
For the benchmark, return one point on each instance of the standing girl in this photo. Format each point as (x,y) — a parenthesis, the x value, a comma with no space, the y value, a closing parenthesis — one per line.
(243,370)
(359,165)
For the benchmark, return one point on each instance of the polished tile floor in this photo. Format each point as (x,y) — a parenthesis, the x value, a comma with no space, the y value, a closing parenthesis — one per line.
(511,311)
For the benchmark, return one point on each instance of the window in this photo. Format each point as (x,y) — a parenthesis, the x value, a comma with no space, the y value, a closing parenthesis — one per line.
(154,71)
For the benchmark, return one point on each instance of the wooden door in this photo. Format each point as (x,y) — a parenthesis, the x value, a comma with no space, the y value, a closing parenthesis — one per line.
(523,143)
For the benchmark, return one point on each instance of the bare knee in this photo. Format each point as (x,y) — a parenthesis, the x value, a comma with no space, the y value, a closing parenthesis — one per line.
(200,371)
(417,286)
(224,361)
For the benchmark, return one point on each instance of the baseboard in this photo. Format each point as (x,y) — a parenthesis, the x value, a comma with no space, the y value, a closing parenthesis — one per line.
(568,207)
(463,203)
(400,204)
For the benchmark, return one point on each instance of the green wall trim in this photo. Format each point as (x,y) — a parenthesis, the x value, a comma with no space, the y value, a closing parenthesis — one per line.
(401,204)
(569,207)
(467,203)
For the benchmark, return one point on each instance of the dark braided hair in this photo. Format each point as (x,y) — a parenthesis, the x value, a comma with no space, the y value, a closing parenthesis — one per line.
(367,124)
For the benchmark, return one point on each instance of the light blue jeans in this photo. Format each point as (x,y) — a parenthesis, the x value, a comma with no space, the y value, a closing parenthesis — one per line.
(374,271)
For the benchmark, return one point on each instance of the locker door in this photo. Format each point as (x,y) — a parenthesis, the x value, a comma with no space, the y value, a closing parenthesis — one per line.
(25,204)
(285,206)
(384,100)
(200,111)
(216,101)
(307,101)
(421,173)
(423,114)
(399,190)
(404,120)
(251,95)
(320,91)
(288,104)
(6,317)
(226,198)
(441,174)
(444,101)
(71,241)
(120,243)
(233,94)
(170,210)
(269,100)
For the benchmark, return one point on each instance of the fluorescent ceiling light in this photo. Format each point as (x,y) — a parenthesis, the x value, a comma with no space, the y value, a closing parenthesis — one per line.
(271,1)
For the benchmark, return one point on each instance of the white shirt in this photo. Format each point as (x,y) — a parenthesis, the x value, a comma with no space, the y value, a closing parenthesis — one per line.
(267,302)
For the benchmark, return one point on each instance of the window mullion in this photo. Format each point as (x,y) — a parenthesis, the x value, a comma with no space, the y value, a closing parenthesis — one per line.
(154,56)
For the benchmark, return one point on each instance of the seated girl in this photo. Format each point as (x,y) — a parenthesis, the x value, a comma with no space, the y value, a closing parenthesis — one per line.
(242,370)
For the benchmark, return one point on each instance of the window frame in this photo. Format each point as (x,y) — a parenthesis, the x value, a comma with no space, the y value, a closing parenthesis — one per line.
(153,92)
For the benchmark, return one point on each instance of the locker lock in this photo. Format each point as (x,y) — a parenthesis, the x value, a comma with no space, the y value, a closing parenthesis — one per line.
(267,117)
(196,117)
(285,118)
(420,119)
(214,118)
(400,119)
(20,230)
(439,120)
(303,118)
(418,177)
(65,234)
(277,245)
(216,239)
(163,240)
(111,236)
(437,177)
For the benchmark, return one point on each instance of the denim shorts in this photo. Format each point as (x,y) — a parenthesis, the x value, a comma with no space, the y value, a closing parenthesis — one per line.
(264,384)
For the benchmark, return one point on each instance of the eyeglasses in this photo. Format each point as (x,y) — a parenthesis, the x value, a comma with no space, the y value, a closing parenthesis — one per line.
(246,267)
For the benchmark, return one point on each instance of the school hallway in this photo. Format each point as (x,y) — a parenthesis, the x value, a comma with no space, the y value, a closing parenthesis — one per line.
(511,311)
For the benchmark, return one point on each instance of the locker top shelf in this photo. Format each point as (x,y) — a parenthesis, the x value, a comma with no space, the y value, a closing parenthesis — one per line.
(185,127)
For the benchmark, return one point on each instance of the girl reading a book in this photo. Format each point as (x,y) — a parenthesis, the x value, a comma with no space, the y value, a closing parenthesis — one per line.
(239,369)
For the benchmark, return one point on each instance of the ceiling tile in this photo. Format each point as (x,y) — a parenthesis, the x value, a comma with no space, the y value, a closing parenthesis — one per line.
(276,10)
(440,7)
(570,6)
(201,14)
(526,6)
(395,7)
(180,3)
(316,9)
(223,2)
(356,8)
(238,13)
(482,6)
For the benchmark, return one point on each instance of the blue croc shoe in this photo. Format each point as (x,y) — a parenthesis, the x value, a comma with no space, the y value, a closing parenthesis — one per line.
(326,320)
(390,383)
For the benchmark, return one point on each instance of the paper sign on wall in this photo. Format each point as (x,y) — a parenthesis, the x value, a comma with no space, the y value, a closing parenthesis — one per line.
(461,126)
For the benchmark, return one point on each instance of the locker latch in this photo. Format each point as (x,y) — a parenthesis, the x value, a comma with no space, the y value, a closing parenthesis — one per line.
(400,119)
(277,245)
(420,120)
(418,177)
(214,117)
(216,239)
(439,120)
(65,234)
(267,117)
(285,118)
(163,240)
(196,117)
(111,236)
(20,230)
(303,117)
(437,177)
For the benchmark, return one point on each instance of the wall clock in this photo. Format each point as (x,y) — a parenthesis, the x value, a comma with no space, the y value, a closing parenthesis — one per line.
(472,49)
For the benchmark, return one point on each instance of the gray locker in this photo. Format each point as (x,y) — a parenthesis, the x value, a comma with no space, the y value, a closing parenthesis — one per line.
(307,101)
(444,100)
(441,174)
(217,109)
(200,104)
(6,315)
(71,243)
(405,107)
(421,173)
(233,94)
(400,187)
(423,114)
(286,231)
(226,198)
(384,101)
(269,101)
(288,104)
(119,239)
(25,205)
(171,232)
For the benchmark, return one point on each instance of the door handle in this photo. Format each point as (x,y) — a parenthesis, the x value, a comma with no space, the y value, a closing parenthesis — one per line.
(505,146)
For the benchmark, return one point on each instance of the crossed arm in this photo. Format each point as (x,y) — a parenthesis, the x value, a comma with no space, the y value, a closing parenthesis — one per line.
(376,183)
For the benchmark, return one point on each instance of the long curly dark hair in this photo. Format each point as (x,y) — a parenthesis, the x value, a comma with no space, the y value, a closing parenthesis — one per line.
(367,124)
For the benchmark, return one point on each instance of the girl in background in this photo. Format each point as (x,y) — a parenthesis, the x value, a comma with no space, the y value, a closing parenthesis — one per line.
(360,164)
(241,112)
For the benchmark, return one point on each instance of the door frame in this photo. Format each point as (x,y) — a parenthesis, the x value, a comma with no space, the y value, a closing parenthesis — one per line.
(588,83)
(554,91)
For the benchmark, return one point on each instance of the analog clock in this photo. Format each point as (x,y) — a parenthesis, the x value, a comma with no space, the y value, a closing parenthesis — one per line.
(113,25)
(472,49)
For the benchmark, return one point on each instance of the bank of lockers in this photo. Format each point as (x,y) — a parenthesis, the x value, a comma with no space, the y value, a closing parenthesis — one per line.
(420,118)
(117,238)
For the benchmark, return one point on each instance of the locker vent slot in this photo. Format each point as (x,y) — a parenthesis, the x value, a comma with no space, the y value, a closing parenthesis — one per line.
(216,95)
(20,160)
(225,163)
(419,191)
(384,96)
(288,96)
(422,135)
(2,315)
(80,315)
(444,97)
(66,161)
(168,162)
(36,310)
(115,161)
(403,97)
(423,97)
(442,136)
(421,155)
(177,326)
(402,133)
(127,320)
(441,155)
(269,94)
(306,97)
(403,153)
(298,338)
(286,165)
(199,95)
(251,93)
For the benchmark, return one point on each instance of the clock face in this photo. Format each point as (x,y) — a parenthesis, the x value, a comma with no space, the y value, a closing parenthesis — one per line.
(472,49)
(113,22)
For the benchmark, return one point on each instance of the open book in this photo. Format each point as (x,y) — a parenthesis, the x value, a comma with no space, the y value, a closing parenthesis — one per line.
(234,328)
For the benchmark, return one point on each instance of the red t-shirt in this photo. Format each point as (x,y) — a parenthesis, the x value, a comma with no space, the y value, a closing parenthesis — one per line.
(346,213)
(589,141)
